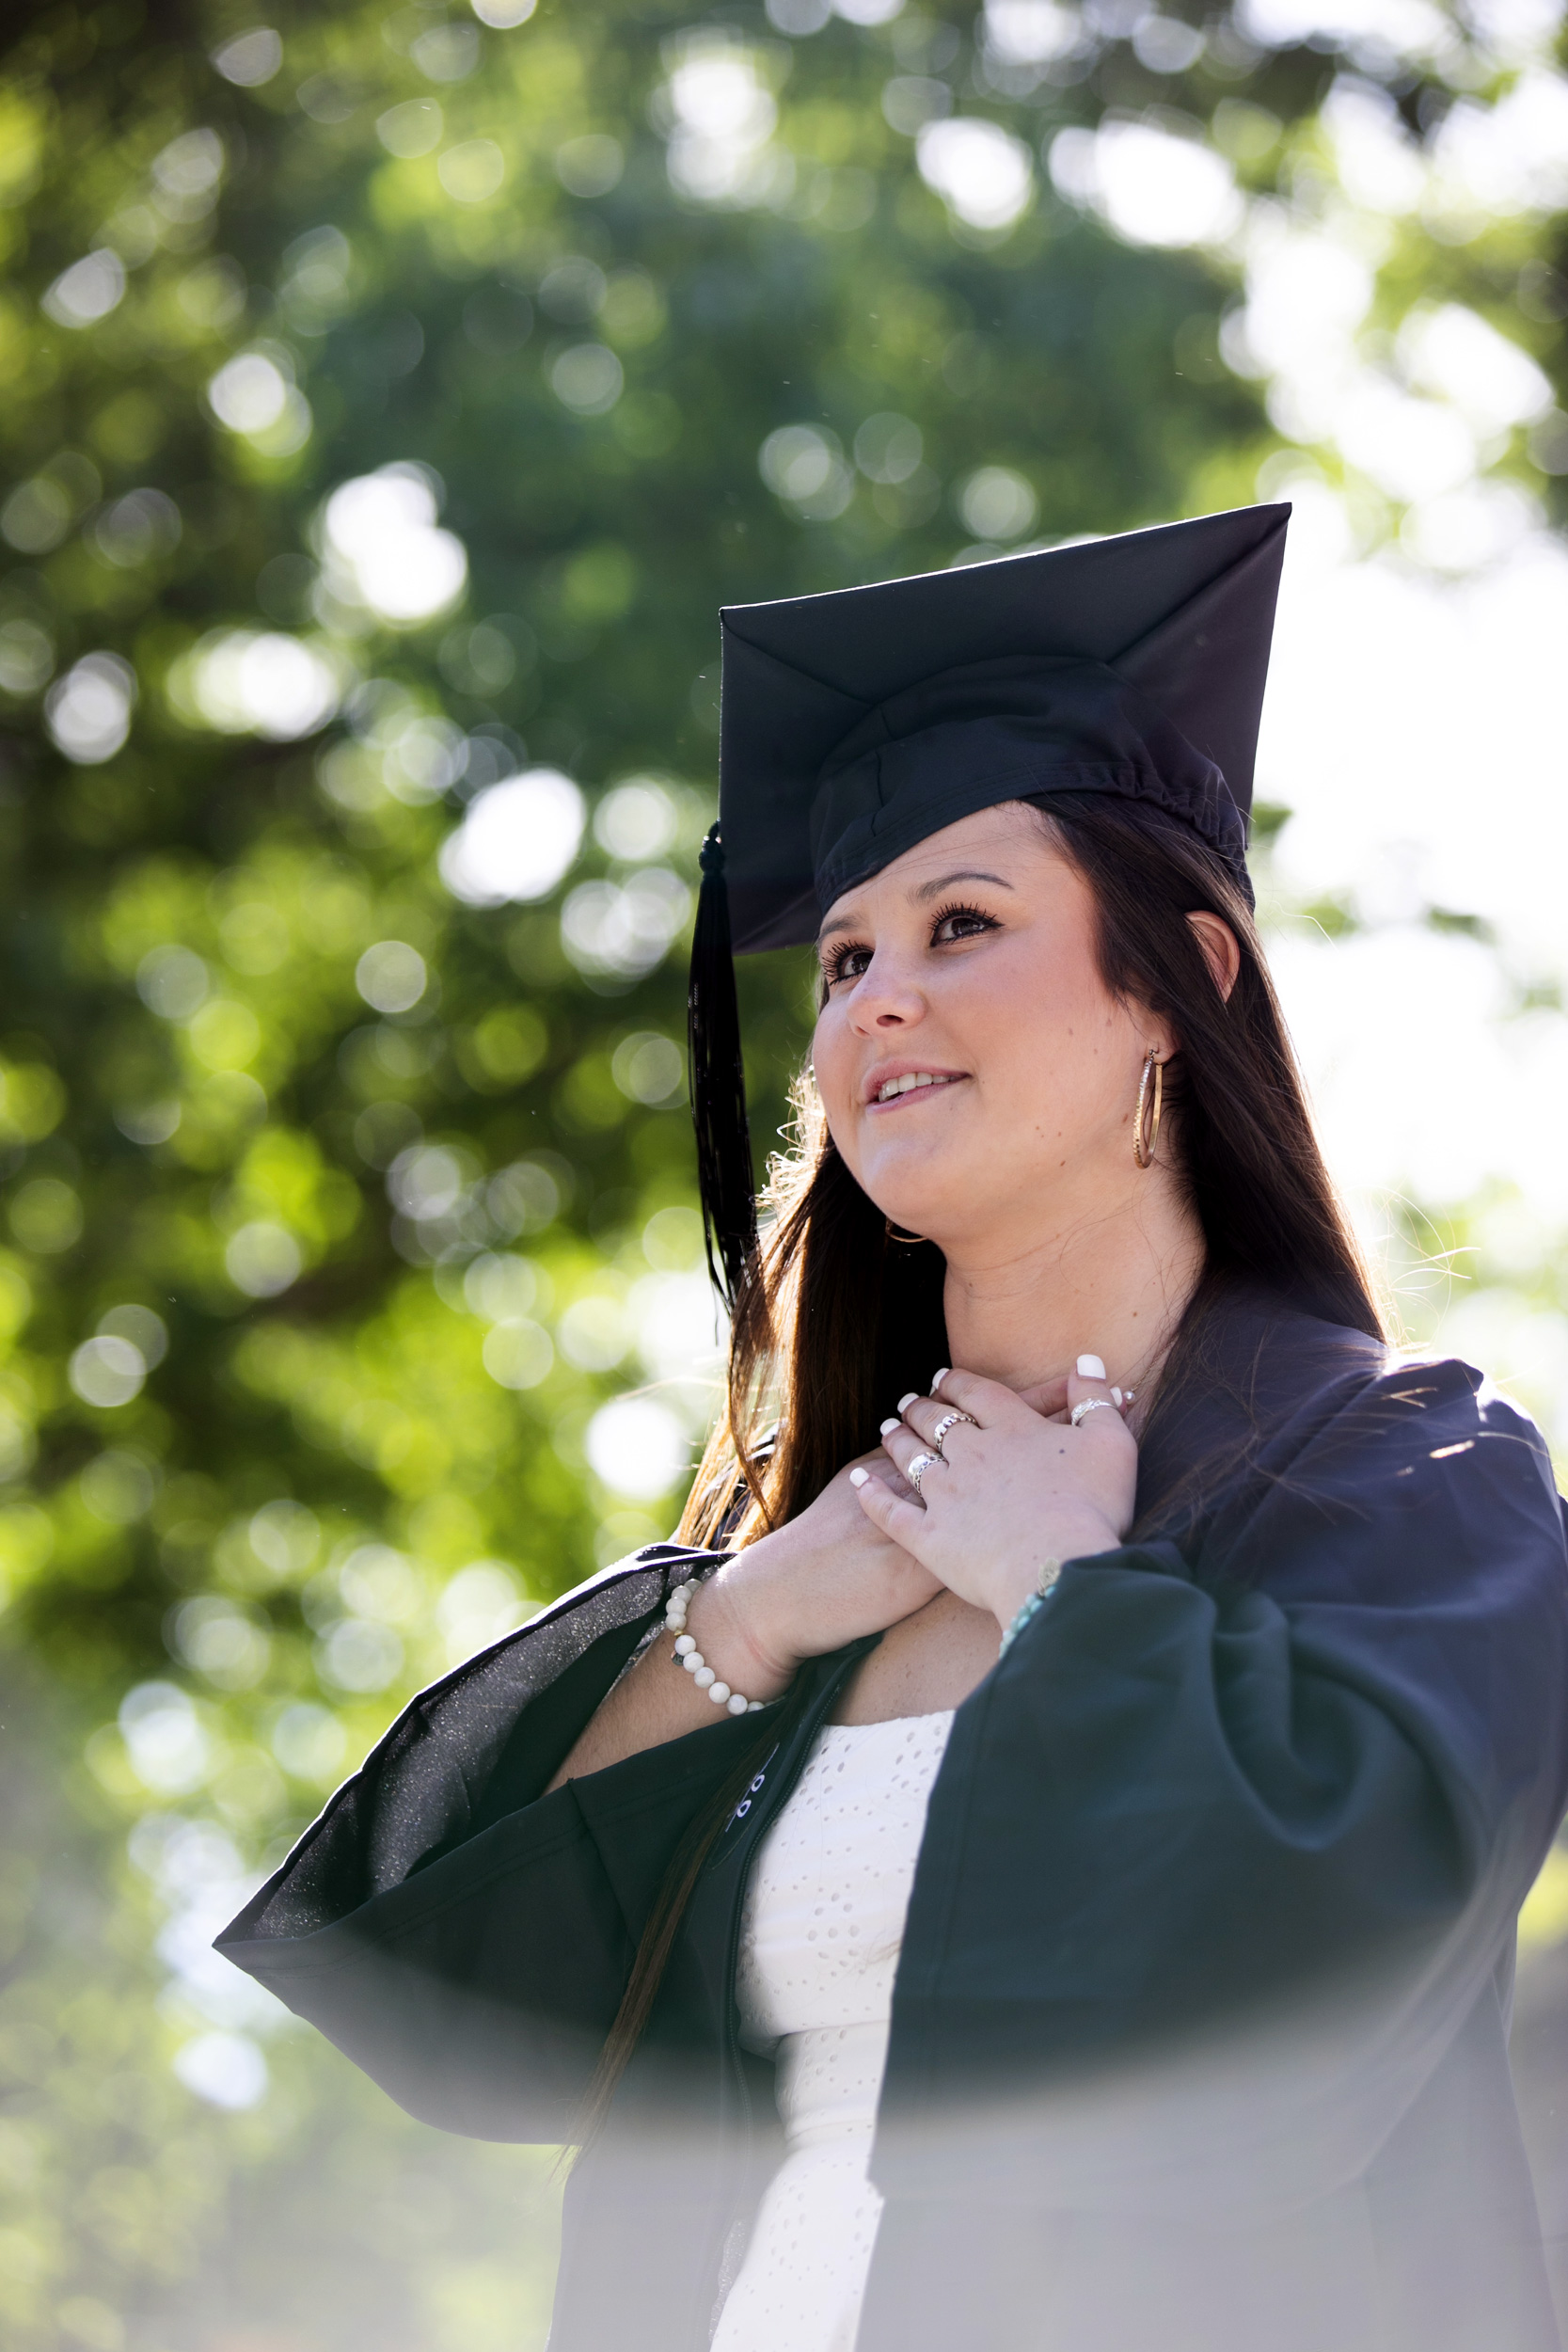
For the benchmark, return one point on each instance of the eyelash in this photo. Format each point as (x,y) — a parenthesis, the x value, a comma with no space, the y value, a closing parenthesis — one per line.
(833,968)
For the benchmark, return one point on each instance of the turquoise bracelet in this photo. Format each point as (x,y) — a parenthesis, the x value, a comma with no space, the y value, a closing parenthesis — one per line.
(1032,1606)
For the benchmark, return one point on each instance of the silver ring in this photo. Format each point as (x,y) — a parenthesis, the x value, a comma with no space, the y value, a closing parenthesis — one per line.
(919,1467)
(948,1421)
(1090,1405)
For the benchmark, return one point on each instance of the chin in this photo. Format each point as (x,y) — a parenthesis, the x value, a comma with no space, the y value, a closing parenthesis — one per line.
(926,1174)
(914,1209)
(961,1201)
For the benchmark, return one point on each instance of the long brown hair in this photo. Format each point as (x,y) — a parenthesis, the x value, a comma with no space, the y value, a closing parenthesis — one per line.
(837,1318)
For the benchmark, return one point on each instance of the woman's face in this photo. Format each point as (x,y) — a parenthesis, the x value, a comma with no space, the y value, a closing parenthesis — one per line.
(971,961)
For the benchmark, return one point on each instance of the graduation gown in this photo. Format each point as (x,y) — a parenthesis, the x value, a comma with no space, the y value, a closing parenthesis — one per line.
(1200,2030)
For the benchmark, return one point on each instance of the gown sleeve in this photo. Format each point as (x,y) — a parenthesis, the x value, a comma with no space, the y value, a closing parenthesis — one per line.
(1229,1849)
(461,1936)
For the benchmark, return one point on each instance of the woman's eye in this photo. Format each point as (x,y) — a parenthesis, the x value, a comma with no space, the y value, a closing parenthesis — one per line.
(953,924)
(844,963)
(961,923)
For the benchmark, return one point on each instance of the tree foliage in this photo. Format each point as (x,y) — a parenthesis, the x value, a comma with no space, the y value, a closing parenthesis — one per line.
(390,397)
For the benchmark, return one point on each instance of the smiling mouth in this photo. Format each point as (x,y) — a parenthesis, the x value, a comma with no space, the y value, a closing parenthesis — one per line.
(911,1083)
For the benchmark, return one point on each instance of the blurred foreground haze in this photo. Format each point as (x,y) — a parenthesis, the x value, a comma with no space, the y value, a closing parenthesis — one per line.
(388,397)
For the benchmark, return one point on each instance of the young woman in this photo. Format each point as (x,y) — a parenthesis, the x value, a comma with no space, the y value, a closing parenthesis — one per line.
(1037,1865)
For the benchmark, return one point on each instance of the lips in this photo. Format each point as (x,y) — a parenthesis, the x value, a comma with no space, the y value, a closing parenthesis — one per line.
(887,1085)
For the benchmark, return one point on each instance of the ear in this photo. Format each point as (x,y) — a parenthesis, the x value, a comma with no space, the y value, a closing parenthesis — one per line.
(1220,951)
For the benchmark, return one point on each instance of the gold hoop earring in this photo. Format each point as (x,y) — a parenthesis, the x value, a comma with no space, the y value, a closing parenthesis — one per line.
(905,1241)
(1144,1147)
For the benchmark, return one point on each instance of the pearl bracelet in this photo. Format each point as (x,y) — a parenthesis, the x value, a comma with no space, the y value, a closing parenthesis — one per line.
(1045,1585)
(691,1657)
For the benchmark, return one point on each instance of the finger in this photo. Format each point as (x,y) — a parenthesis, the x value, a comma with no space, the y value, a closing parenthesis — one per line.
(882,1463)
(894,1478)
(903,1522)
(925,1415)
(1048,1397)
(1090,1386)
(903,1446)
(989,1402)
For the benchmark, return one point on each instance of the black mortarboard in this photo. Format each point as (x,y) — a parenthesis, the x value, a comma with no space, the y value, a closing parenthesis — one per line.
(856,723)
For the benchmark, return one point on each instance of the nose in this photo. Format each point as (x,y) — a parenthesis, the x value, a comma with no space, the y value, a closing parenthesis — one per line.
(885,996)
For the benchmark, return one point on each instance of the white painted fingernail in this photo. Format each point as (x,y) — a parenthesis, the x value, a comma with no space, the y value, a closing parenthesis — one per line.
(904,1404)
(937,1377)
(1115,1396)
(1090,1367)
(887,1426)
(858,1477)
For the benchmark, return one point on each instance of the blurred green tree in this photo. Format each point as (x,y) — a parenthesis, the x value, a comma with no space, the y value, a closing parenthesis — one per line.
(390,397)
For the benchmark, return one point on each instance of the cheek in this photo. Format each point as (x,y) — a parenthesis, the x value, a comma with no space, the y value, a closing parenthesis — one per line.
(1019,1006)
(831,1059)
(1046,1044)
(837,1058)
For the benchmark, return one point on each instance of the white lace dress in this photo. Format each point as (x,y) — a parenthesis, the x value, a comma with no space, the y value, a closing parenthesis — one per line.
(819,1945)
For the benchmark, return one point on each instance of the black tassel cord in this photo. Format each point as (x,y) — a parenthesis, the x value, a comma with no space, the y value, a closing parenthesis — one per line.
(719,1085)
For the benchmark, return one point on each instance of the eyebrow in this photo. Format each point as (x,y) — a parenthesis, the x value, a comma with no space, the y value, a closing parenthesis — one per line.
(927,892)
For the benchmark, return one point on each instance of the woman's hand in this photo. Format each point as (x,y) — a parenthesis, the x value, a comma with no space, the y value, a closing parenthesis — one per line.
(823,1579)
(1014,1485)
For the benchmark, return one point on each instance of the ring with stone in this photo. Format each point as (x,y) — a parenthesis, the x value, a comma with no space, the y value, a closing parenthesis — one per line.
(1090,1405)
(947,1422)
(919,1467)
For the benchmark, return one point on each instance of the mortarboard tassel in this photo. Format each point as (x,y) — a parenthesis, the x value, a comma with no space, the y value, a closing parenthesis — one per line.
(719,1084)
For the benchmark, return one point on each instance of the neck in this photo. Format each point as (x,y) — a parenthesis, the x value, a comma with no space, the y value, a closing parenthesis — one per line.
(1113,1285)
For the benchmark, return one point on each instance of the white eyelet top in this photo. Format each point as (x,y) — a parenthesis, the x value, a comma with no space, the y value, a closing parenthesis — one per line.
(820,1939)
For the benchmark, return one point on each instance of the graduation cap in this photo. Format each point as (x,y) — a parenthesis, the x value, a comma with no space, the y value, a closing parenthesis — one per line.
(855,724)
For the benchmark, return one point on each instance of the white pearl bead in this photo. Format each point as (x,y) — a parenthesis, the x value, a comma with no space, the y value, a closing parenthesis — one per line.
(691,1659)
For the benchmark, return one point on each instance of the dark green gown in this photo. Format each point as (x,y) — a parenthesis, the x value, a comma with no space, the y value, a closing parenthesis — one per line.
(1199,2032)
